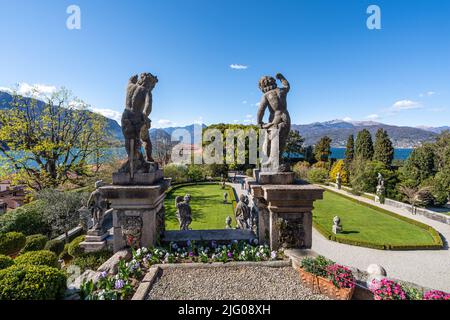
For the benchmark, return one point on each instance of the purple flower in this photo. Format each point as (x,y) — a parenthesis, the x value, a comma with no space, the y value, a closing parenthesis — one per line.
(188,243)
(103,274)
(119,284)
(213,244)
(229,254)
(191,254)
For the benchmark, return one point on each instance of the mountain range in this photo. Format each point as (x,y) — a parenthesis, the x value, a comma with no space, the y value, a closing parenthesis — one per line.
(337,130)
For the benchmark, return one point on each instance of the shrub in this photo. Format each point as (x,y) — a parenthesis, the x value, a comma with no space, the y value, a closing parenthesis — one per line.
(178,173)
(74,248)
(301,169)
(38,258)
(322,165)
(28,219)
(339,166)
(317,266)
(34,243)
(5,262)
(56,246)
(249,172)
(64,255)
(28,282)
(317,175)
(11,242)
(91,261)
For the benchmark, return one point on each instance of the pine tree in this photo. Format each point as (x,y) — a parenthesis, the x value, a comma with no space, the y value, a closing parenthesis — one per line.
(383,149)
(322,150)
(364,145)
(349,152)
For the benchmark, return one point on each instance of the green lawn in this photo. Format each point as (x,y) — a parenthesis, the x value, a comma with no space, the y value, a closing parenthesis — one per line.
(208,210)
(361,223)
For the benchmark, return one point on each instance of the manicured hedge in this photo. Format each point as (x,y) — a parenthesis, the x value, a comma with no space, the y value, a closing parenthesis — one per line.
(11,243)
(74,248)
(438,244)
(38,258)
(5,262)
(34,243)
(28,219)
(56,246)
(28,282)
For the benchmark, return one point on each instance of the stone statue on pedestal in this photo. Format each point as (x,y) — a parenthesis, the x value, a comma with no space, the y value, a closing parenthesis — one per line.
(98,205)
(228,222)
(184,213)
(337,228)
(279,125)
(136,123)
(242,213)
(338,180)
(380,190)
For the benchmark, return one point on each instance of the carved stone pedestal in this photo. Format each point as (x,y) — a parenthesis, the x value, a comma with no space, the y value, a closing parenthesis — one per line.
(138,213)
(95,241)
(285,212)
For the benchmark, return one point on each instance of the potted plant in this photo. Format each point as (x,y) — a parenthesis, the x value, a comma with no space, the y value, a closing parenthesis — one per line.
(326,277)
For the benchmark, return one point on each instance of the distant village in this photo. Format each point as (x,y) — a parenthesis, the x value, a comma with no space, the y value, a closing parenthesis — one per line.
(11,197)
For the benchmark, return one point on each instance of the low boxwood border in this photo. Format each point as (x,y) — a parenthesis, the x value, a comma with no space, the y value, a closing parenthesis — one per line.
(437,240)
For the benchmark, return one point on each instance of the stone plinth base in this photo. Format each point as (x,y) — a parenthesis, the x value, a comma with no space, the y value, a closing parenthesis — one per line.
(95,241)
(138,213)
(285,214)
(276,178)
(144,179)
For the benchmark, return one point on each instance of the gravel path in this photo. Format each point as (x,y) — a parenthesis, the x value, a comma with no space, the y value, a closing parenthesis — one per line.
(429,268)
(231,283)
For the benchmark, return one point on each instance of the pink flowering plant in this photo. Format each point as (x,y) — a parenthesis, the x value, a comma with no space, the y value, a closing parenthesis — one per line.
(436,295)
(386,289)
(342,277)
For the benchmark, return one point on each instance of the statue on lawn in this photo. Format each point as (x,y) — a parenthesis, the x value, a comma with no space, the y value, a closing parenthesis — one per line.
(279,126)
(380,190)
(338,181)
(184,213)
(136,124)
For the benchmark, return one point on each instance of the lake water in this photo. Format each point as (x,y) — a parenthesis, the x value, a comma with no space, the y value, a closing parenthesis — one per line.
(399,154)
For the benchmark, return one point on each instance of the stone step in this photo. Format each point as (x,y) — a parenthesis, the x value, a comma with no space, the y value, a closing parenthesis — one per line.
(225,235)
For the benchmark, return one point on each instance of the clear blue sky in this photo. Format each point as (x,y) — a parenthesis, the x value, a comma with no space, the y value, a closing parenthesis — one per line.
(337,67)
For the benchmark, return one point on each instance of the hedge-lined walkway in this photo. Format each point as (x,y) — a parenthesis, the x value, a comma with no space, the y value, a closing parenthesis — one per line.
(429,268)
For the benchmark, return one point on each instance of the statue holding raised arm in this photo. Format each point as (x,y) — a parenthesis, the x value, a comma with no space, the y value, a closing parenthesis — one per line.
(275,100)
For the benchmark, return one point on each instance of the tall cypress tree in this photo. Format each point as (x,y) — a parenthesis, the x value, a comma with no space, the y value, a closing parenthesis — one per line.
(364,145)
(383,149)
(349,151)
(322,150)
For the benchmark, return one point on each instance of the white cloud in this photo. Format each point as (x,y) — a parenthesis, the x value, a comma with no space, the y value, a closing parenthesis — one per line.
(347,119)
(109,113)
(244,102)
(249,116)
(373,116)
(238,66)
(166,123)
(427,94)
(406,105)
(38,91)
(257,104)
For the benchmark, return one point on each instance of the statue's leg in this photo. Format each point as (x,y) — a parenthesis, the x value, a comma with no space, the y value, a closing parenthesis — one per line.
(146,142)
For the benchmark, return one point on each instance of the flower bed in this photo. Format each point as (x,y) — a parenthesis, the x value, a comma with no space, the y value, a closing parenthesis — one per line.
(122,285)
(386,289)
(326,277)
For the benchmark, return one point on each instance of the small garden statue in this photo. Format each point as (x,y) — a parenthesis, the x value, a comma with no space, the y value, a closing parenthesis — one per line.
(337,228)
(85,216)
(225,197)
(184,214)
(242,213)
(381,190)
(228,222)
(98,205)
(338,181)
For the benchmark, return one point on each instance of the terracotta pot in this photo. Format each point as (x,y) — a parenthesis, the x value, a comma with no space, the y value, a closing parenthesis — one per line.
(324,286)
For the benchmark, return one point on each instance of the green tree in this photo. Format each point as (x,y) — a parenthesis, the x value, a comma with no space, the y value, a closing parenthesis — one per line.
(294,144)
(47,144)
(322,150)
(383,149)
(61,209)
(364,145)
(349,152)
(420,166)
